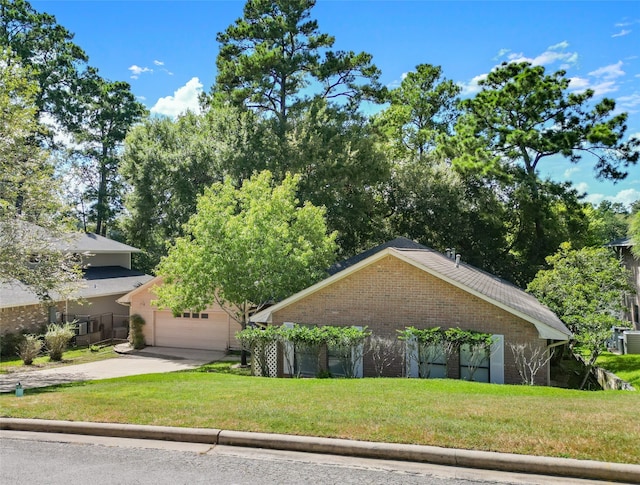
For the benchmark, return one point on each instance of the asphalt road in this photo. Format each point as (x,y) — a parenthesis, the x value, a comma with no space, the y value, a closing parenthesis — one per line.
(55,459)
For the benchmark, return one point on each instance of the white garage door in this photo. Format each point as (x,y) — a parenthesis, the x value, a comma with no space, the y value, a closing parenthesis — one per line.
(210,333)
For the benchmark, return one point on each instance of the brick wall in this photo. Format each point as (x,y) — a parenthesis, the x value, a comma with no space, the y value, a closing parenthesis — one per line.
(27,319)
(390,294)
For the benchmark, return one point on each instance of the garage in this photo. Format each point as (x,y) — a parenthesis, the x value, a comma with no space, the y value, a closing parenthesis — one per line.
(205,331)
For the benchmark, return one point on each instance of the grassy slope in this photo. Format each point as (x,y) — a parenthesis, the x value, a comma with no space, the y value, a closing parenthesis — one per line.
(516,419)
(626,367)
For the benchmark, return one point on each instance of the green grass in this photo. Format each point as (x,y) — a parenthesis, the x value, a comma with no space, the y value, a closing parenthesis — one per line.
(72,356)
(626,367)
(515,419)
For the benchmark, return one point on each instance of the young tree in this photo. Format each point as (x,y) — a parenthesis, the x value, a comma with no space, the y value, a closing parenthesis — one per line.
(246,247)
(521,118)
(586,289)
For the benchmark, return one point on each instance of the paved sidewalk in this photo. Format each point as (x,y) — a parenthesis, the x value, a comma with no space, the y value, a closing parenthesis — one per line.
(151,360)
(538,465)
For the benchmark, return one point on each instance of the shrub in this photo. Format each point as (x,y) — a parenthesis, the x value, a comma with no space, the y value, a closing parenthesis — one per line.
(136,336)
(9,343)
(57,339)
(29,348)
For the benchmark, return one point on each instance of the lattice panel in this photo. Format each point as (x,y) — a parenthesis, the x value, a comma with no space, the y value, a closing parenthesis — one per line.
(272,362)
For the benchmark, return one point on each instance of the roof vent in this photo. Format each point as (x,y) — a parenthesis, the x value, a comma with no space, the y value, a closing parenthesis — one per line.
(458,256)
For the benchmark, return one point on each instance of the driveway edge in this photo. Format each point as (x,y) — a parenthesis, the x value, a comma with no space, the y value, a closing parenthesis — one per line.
(539,465)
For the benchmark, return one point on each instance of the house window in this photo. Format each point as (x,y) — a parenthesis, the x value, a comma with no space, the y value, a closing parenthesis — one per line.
(306,362)
(195,315)
(185,314)
(474,364)
(425,361)
(204,315)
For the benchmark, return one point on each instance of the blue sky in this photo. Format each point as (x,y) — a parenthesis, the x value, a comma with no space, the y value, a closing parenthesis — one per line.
(167,50)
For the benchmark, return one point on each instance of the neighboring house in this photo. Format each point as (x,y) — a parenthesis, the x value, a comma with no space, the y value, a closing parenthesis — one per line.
(401,284)
(210,329)
(107,277)
(622,247)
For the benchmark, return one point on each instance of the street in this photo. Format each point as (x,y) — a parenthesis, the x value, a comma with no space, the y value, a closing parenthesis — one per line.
(54,459)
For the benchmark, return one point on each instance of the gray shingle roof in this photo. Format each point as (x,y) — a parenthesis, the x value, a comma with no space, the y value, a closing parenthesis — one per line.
(99,281)
(76,242)
(624,242)
(491,287)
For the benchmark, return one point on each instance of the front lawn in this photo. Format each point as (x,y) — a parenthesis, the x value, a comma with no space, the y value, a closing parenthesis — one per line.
(626,367)
(515,419)
(72,356)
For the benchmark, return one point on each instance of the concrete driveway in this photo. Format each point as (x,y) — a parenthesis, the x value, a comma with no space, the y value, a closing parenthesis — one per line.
(151,360)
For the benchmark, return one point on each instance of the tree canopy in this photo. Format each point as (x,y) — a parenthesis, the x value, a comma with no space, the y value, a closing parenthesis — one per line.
(269,56)
(586,289)
(245,247)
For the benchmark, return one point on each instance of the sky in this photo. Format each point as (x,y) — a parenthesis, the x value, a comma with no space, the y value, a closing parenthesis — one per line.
(167,50)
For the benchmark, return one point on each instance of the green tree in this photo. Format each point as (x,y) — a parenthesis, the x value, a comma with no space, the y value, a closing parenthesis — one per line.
(522,117)
(271,57)
(342,167)
(586,289)
(46,49)
(607,222)
(246,247)
(420,109)
(168,163)
(28,193)
(108,111)
(634,232)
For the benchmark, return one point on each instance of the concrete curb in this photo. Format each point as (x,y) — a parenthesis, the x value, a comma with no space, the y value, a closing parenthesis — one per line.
(564,467)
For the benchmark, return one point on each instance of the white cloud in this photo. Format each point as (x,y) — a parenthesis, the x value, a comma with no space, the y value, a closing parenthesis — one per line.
(142,98)
(472,87)
(560,45)
(595,199)
(184,99)
(137,70)
(578,83)
(550,56)
(622,33)
(570,171)
(629,103)
(158,63)
(604,88)
(611,71)
(626,197)
(501,53)
(582,187)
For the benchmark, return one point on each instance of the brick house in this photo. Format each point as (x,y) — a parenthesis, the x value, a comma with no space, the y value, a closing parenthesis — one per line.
(401,284)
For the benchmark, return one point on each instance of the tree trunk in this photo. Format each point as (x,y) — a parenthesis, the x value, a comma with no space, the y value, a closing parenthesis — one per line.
(592,361)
